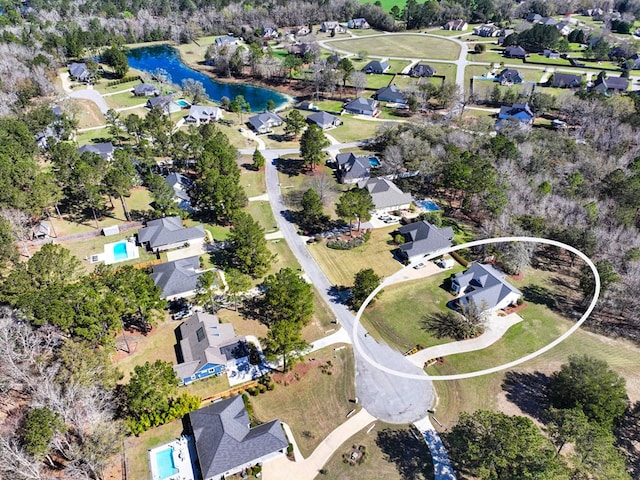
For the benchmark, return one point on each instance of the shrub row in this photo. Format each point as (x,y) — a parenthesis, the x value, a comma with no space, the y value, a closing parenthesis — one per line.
(124,80)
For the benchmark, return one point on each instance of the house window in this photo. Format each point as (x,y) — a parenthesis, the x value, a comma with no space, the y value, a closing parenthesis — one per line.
(200,334)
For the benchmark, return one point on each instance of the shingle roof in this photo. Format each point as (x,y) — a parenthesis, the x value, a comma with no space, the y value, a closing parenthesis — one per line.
(216,346)
(78,70)
(386,194)
(105,149)
(225,441)
(202,112)
(167,231)
(488,284)
(422,70)
(390,94)
(145,88)
(510,75)
(161,102)
(563,80)
(177,277)
(361,104)
(376,66)
(322,119)
(424,238)
(180,185)
(266,119)
(353,167)
(612,83)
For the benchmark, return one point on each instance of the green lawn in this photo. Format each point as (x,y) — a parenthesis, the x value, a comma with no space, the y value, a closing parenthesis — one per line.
(321,401)
(396,66)
(399,45)
(397,315)
(331,106)
(491,55)
(474,71)
(340,266)
(393,453)
(93,136)
(252,181)
(218,232)
(375,81)
(353,129)
(126,99)
(103,87)
(387,5)
(262,213)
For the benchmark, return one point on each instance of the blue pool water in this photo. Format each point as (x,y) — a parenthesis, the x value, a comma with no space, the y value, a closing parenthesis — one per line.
(149,59)
(120,251)
(164,460)
(183,103)
(428,205)
(374,162)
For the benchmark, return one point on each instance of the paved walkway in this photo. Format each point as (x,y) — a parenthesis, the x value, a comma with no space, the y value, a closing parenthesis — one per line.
(496,328)
(260,198)
(442,468)
(341,336)
(282,468)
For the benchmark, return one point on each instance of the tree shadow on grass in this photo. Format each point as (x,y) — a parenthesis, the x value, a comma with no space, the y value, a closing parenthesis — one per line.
(409,454)
(290,167)
(628,438)
(540,295)
(529,391)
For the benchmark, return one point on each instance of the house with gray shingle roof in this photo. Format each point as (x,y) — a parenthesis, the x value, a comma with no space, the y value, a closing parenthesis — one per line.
(145,90)
(164,103)
(80,72)
(386,196)
(565,80)
(104,149)
(509,76)
(353,168)
(264,122)
(166,233)
(324,120)
(390,94)
(422,70)
(206,346)
(421,239)
(181,186)
(376,66)
(485,287)
(203,114)
(225,442)
(177,279)
(362,106)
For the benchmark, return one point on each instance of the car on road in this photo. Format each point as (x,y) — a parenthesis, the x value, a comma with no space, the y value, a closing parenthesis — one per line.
(182,314)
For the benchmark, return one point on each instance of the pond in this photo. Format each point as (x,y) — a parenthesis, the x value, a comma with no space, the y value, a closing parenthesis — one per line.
(149,59)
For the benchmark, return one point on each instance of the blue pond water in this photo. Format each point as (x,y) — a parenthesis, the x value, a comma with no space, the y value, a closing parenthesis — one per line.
(120,251)
(164,460)
(427,205)
(149,59)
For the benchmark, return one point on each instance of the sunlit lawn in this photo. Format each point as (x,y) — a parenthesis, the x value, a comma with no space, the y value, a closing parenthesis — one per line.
(136,448)
(316,404)
(332,106)
(402,46)
(103,87)
(340,266)
(87,113)
(261,212)
(253,182)
(375,81)
(396,66)
(353,129)
(126,99)
(93,136)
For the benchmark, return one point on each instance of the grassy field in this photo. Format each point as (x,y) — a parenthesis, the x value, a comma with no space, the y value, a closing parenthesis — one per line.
(393,453)
(125,99)
(261,212)
(378,81)
(396,66)
(341,265)
(87,113)
(135,448)
(93,136)
(103,87)
(353,129)
(253,182)
(387,5)
(332,106)
(397,315)
(321,401)
(402,46)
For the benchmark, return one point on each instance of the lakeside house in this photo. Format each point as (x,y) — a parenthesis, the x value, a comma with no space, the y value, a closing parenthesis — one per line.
(145,90)
(324,120)
(199,114)
(164,103)
(264,122)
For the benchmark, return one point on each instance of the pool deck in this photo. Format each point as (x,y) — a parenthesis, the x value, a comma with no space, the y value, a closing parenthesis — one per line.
(108,257)
(181,454)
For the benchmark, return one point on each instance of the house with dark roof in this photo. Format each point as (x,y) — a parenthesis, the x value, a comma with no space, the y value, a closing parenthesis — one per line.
(509,76)
(457,25)
(362,106)
(422,70)
(206,346)
(225,442)
(533,17)
(146,90)
(225,40)
(564,28)
(353,168)
(376,66)
(164,103)
(386,196)
(177,279)
(264,122)
(518,111)
(203,114)
(181,186)
(515,51)
(324,120)
(80,72)
(548,21)
(488,30)
(422,239)
(485,287)
(606,86)
(358,23)
(390,94)
(168,232)
(565,80)
(104,149)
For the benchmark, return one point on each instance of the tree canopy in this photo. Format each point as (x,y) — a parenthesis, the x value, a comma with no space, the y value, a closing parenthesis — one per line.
(365,281)
(247,246)
(355,204)
(311,146)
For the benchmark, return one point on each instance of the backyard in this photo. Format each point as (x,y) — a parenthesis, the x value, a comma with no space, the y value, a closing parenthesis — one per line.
(353,129)
(402,45)
(322,400)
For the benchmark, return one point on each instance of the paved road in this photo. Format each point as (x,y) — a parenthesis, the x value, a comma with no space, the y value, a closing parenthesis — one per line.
(92,95)
(387,397)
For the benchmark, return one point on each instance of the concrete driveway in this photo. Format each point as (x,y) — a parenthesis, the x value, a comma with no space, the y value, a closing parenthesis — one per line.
(194,249)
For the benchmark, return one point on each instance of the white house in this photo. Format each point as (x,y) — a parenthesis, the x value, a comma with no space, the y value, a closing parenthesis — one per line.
(485,287)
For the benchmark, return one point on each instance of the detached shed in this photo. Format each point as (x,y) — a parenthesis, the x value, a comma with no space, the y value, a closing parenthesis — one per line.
(110,231)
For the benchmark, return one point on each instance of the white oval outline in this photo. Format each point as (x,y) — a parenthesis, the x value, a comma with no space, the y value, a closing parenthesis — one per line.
(478,373)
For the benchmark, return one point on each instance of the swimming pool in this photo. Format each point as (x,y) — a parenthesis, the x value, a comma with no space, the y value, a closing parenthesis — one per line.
(427,205)
(164,461)
(183,103)
(120,251)
(374,162)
